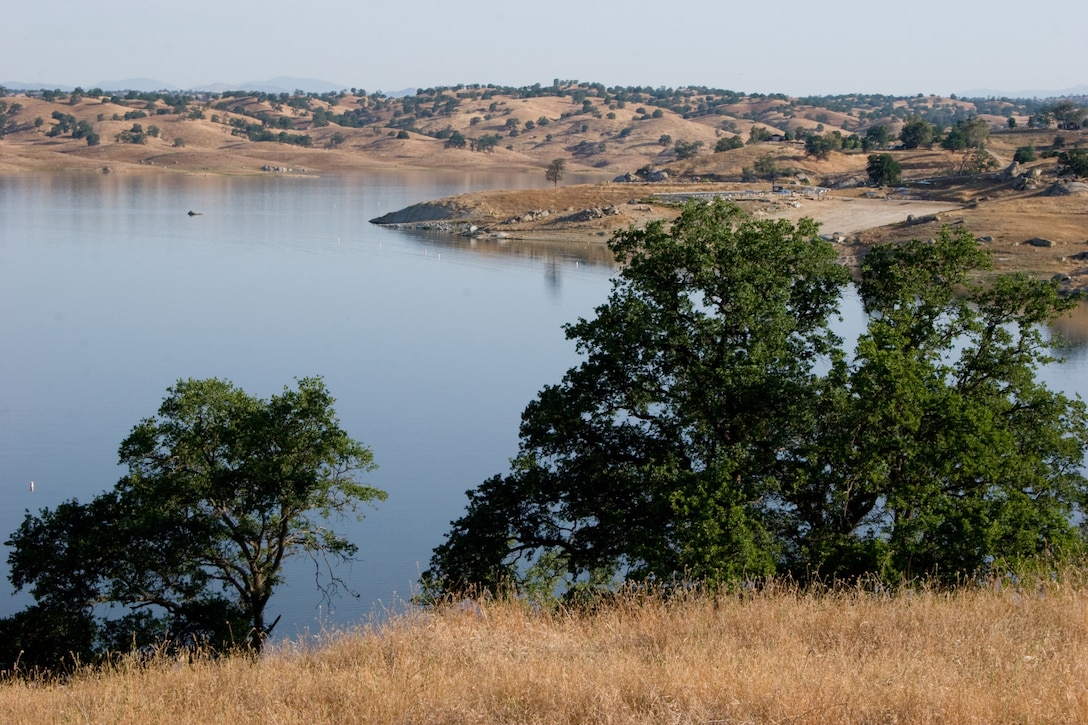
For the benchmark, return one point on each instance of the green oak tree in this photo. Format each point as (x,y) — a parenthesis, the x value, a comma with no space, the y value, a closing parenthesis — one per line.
(972,133)
(884,170)
(942,452)
(706,345)
(687,149)
(222,488)
(717,429)
(877,136)
(728,144)
(821,145)
(1024,154)
(1074,161)
(916,132)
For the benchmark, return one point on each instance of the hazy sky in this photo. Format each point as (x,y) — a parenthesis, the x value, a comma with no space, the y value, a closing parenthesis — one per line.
(792,47)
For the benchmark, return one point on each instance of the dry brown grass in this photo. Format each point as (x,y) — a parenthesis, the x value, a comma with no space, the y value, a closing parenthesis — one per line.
(984,655)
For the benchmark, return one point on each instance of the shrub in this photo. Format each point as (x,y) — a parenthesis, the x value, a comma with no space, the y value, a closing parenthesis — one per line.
(728,144)
(1024,154)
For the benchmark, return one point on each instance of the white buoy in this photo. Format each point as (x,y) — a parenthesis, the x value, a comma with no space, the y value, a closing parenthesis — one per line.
(32,487)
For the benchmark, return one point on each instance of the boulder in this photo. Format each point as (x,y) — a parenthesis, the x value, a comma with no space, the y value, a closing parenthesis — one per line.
(1068,188)
(1011,172)
(851,182)
(1040,242)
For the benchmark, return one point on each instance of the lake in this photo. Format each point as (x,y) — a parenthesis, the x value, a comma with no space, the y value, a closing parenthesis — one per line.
(431,344)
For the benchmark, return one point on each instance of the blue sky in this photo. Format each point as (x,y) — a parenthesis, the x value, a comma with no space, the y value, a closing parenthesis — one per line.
(792,47)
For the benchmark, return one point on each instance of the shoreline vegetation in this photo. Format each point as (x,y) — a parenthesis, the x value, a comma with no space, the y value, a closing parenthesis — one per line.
(1007,650)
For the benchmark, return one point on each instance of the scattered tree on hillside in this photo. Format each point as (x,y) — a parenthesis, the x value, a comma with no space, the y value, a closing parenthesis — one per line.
(821,146)
(916,133)
(884,170)
(554,172)
(1074,161)
(1068,115)
(877,136)
(687,149)
(969,134)
(758,134)
(765,167)
(485,143)
(977,162)
(1039,120)
(64,123)
(136,134)
(728,144)
(716,429)
(221,489)
(83,129)
(1024,154)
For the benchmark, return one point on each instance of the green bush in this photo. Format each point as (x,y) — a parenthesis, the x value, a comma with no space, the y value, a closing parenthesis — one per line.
(1024,154)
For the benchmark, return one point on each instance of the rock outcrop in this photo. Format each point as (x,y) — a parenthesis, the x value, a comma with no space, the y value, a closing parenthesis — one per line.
(1068,188)
(428,211)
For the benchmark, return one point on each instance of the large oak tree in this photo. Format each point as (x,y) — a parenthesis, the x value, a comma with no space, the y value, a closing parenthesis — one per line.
(717,428)
(222,487)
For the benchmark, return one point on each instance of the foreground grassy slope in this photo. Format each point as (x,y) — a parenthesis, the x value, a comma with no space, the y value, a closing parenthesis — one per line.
(1005,652)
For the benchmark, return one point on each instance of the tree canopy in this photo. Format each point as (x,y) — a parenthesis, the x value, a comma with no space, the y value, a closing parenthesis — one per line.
(1074,161)
(716,428)
(970,133)
(884,170)
(916,132)
(554,172)
(222,487)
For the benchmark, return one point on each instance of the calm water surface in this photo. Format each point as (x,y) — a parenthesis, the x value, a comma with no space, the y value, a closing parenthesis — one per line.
(432,345)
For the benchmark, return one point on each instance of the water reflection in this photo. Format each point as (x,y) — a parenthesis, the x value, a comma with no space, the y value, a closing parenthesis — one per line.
(595,253)
(432,344)
(1072,329)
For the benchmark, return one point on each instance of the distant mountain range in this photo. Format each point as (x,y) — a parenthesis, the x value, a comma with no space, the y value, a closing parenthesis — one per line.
(282,84)
(1081,90)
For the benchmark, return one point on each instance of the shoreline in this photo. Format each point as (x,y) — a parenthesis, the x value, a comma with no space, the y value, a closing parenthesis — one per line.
(591,212)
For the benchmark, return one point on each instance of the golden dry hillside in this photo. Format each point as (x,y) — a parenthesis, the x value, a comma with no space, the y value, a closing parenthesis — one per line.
(609,133)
